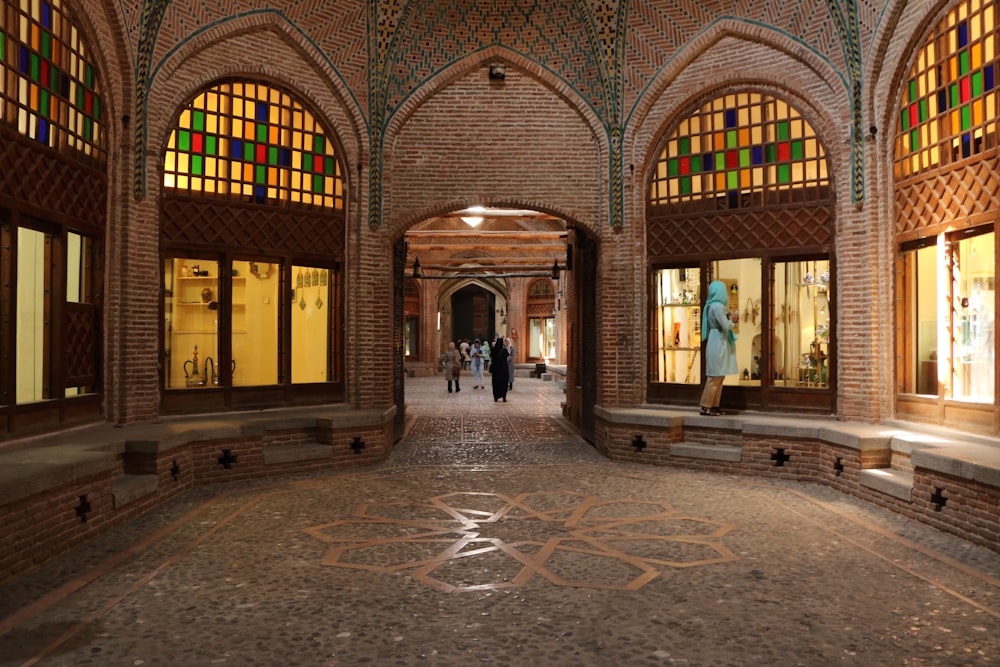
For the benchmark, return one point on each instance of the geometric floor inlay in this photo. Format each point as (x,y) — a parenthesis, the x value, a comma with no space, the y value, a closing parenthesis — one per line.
(466,541)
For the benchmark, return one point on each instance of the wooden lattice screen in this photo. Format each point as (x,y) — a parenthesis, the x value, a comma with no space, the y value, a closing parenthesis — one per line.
(80,338)
(742,230)
(75,191)
(265,228)
(968,193)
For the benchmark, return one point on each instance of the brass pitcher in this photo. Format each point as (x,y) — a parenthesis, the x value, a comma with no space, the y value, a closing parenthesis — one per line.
(211,373)
(193,377)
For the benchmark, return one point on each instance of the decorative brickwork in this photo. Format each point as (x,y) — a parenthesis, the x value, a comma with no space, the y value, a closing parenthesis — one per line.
(962,507)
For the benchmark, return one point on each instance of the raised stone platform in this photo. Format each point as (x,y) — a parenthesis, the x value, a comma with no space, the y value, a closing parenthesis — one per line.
(63,489)
(950,480)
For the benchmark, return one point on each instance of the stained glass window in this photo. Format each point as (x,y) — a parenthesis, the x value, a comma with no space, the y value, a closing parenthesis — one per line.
(738,145)
(253,142)
(48,87)
(950,107)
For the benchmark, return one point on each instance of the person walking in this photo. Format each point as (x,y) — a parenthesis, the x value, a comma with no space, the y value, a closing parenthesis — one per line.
(509,344)
(464,348)
(452,365)
(476,364)
(498,362)
(720,346)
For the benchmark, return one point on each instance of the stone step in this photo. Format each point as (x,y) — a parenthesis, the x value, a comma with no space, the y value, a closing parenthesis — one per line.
(306,451)
(896,483)
(711,452)
(128,488)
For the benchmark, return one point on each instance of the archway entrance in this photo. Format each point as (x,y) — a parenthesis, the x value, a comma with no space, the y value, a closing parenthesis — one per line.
(481,276)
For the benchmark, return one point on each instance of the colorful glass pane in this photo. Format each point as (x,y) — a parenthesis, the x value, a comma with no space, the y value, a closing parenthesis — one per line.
(948,87)
(268,147)
(745,132)
(47,51)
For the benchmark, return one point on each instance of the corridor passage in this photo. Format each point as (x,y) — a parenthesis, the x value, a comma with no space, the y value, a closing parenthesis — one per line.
(494,535)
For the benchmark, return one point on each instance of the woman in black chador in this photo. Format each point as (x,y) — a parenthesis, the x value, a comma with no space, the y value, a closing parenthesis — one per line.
(498,366)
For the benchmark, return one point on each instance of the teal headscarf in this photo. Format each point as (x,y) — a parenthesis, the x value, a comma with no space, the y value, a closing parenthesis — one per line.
(717,293)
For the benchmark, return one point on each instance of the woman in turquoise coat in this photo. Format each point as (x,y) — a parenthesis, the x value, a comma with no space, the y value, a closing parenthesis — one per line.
(720,346)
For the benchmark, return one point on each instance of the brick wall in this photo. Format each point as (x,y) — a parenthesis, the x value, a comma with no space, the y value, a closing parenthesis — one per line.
(968,510)
(38,528)
(47,524)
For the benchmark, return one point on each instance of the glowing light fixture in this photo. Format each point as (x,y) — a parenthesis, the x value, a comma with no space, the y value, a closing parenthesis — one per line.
(474,219)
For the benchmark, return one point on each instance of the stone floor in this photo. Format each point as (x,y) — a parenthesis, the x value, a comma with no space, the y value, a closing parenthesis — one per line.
(494,535)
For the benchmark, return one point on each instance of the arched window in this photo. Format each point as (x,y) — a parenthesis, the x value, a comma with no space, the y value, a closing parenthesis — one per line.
(54,181)
(951,106)
(253,142)
(739,150)
(252,221)
(947,168)
(741,193)
(48,86)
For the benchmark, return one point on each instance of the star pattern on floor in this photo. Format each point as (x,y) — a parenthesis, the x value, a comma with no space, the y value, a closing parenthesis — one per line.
(471,541)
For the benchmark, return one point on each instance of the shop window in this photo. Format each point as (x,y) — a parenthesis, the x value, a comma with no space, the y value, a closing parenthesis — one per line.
(79,333)
(951,103)
(800,339)
(677,325)
(34,315)
(191,319)
(234,319)
(789,349)
(541,338)
(742,184)
(920,278)
(55,339)
(200,307)
(743,283)
(949,315)
(973,317)
(250,141)
(310,318)
(48,87)
(541,320)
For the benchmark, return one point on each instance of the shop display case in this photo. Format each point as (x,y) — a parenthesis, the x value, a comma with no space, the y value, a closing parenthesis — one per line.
(678,326)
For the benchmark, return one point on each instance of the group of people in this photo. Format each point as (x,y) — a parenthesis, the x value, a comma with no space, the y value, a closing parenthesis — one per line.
(716,326)
(498,359)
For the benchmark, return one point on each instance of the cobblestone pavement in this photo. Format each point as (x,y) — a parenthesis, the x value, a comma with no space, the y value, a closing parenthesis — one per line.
(494,535)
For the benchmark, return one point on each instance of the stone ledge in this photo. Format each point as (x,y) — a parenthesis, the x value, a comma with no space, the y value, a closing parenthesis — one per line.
(357,419)
(709,452)
(128,488)
(25,472)
(976,461)
(979,463)
(307,451)
(862,437)
(896,483)
(642,416)
(42,463)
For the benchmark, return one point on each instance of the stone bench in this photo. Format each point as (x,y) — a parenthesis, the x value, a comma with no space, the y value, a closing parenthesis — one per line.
(59,490)
(908,468)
